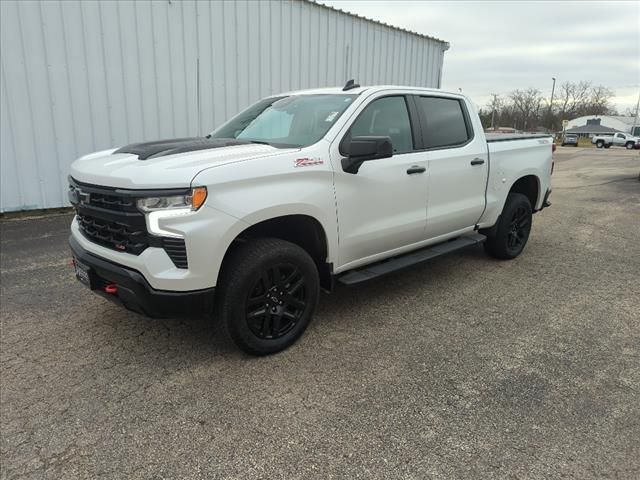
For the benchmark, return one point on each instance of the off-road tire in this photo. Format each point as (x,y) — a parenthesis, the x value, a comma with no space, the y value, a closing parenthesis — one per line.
(254,278)
(510,236)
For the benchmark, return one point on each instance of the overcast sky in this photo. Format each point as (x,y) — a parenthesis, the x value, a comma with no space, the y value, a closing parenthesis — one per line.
(500,46)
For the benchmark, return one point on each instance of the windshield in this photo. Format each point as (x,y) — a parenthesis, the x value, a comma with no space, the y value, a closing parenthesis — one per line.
(291,121)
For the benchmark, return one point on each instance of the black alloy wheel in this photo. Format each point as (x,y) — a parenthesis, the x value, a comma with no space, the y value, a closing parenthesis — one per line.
(509,236)
(277,301)
(266,295)
(519,228)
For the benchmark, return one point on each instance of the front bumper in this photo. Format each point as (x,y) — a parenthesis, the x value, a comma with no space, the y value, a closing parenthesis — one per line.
(131,289)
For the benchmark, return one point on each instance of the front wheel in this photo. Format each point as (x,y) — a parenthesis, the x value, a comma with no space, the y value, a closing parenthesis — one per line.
(629,145)
(268,292)
(512,232)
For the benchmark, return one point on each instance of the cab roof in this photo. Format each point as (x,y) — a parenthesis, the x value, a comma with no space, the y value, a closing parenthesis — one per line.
(359,90)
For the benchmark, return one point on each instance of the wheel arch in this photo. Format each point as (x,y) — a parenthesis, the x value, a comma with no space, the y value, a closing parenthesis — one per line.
(528,185)
(300,229)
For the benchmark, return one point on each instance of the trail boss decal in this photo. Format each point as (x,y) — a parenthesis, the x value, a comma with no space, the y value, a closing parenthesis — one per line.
(307,162)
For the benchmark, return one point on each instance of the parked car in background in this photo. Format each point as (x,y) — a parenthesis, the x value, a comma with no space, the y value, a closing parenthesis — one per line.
(570,139)
(619,139)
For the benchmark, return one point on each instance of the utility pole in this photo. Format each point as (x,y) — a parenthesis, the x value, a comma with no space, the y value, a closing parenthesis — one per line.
(553,89)
(495,104)
(636,122)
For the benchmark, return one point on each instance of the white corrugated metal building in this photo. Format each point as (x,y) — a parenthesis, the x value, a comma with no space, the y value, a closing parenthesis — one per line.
(616,122)
(80,76)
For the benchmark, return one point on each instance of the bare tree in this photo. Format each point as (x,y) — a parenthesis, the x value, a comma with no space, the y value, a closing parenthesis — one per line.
(526,108)
(573,98)
(526,105)
(599,99)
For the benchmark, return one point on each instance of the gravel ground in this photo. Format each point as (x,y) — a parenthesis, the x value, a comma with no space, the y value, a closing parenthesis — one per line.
(463,367)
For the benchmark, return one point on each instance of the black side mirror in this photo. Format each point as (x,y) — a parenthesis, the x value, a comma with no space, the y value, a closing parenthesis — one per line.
(362,149)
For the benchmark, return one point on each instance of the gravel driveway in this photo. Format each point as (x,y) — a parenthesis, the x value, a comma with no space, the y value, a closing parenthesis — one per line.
(463,367)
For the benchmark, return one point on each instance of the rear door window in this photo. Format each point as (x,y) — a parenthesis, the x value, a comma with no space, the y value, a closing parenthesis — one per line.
(444,123)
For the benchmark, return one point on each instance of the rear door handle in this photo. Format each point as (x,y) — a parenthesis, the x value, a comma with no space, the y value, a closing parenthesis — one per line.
(477,161)
(415,169)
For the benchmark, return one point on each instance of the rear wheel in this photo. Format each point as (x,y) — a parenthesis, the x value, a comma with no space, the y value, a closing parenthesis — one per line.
(268,292)
(599,144)
(512,232)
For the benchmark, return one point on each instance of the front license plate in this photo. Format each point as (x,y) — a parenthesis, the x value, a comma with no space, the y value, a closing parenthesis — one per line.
(82,272)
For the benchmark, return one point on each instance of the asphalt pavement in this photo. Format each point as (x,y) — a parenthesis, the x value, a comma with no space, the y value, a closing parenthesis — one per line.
(463,367)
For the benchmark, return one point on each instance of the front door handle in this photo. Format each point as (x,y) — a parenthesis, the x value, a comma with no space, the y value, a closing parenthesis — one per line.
(477,161)
(415,169)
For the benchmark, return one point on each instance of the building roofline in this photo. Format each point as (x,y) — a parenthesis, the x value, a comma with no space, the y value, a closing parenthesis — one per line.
(619,118)
(444,43)
(593,129)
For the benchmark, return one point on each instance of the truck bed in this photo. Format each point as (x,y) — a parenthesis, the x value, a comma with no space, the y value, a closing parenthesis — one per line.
(511,157)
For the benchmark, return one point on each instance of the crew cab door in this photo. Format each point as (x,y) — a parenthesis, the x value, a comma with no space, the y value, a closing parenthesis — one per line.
(458,164)
(382,207)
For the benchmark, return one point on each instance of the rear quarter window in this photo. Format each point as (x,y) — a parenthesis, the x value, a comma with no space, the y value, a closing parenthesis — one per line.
(444,122)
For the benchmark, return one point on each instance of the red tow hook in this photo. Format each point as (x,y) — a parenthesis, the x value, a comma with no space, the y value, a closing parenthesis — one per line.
(112,288)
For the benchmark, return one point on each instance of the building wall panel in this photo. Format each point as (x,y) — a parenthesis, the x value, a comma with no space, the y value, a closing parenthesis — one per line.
(80,76)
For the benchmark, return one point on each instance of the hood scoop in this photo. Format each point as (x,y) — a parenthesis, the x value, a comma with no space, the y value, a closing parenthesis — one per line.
(162,148)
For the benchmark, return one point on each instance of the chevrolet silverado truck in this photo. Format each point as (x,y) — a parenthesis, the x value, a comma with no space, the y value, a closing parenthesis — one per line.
(296,194)
(619,139)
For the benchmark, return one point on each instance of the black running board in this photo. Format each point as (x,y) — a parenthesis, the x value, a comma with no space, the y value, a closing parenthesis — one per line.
(411,258)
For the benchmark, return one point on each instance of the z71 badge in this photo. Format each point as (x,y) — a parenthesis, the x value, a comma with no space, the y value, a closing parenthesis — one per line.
(307,162)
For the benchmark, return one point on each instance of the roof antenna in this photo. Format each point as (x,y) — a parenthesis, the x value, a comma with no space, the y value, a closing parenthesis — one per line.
(351,84)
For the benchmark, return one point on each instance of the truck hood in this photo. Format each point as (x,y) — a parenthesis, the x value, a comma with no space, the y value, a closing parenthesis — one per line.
(121,169)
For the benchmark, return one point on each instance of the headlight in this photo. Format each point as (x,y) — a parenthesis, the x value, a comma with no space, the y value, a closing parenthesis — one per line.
(193,201)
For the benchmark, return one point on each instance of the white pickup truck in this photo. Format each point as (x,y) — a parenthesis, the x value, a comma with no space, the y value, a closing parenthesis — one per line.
(618,139)
(295,194)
